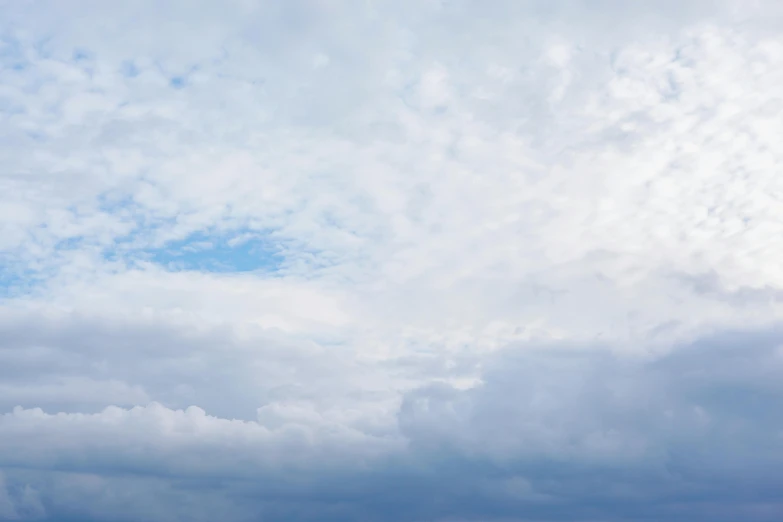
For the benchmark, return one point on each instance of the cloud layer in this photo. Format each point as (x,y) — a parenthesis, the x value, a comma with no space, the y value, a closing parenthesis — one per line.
(431,261)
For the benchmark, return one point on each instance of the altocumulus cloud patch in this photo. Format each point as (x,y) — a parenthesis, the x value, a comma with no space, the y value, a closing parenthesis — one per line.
(427,261)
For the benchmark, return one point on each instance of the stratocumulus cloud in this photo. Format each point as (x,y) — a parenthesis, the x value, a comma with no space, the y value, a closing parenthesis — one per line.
(383,261)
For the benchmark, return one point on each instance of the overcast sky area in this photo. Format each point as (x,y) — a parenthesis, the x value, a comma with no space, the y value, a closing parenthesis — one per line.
(391,261)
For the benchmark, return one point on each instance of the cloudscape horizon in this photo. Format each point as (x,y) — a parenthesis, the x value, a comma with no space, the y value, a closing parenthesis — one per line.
(422,261)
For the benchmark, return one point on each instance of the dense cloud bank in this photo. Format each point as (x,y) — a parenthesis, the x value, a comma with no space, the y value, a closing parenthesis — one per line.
(551,433)
(418,260)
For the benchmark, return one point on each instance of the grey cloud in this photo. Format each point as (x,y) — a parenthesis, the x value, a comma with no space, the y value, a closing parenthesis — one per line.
(553,433)
(682,436)
(78,364)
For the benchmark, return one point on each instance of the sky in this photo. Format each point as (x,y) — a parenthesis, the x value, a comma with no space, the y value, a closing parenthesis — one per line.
(386,261)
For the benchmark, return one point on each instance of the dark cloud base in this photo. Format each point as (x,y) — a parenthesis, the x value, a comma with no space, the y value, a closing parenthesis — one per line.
(553,433)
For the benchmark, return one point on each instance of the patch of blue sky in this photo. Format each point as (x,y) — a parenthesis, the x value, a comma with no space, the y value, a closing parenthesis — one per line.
(11,54)
(21,275)
(80,55)
(16,279)
(129,69)
(178,82)
(224,253)
(179,79)
(11,283)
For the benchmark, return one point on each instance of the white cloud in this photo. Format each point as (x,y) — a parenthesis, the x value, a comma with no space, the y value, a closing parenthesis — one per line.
(431,183)
(156,440)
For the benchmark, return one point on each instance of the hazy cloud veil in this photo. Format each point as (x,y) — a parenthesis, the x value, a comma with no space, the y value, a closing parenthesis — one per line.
(432,260)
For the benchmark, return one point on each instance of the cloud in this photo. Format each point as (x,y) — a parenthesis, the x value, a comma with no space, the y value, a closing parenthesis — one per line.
(441,260)
(19,503)
(553,432)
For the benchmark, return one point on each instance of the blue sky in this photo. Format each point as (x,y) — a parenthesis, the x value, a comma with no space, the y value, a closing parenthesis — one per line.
(209,252)
(379,261)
